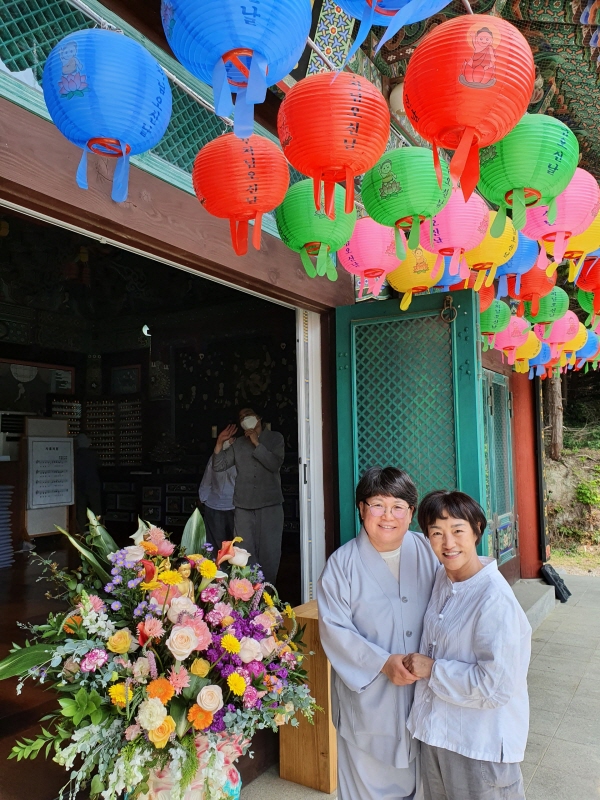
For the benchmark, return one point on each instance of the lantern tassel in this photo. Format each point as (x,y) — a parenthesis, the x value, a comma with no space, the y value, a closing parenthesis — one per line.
(378,285)
(499,223)
(349,208)
(578,268)
(317,191)
(437,273)
(330,199)
(439,262)
(322,260)
(366,22)
(331,270)
(560,245)
(413,11)
(120,187)
(454,261)
(479,280)
(542,259)
(239,236)
(436,164)
(518,284)
(415,228)
(519,215)
(502,287)
(596,302)
(81,176)
(257,80)
(361,286)
(243,115)
(521,308)
(257,231)
(491,275)
(459,160)
(465,272)
(221,90)
(406,300)
(307,263)
(510,356)
(535,305)
(580,364)
(400,246)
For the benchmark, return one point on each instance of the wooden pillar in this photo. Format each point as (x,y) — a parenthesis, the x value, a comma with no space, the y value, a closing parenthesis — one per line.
(308,753)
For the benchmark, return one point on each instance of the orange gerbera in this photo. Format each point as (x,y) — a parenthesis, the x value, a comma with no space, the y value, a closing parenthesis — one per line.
(162,689)
(71,623)
(199,718)
(149,547)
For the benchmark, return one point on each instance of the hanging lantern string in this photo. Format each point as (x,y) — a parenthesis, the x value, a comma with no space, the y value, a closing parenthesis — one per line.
(105,25)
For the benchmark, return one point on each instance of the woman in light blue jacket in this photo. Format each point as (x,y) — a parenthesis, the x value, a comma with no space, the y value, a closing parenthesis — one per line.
(471,707)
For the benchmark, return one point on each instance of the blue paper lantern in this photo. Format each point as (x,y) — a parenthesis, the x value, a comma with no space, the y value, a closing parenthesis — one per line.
(390,14)
(537,365)
(109,96)
(588,351)
(522,260)
(238,48)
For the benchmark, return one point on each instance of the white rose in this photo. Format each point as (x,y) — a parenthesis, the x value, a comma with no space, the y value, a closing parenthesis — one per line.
(267,646)
(182,641)
(180,605)
(240,557)
(250,650)
(280,719)
(141,669)
(151,714)
(133,555)
(210,698)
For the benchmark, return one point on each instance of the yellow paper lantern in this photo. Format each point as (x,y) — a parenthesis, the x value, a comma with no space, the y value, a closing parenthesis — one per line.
(573,345)
(578,248)
(492,252)
(529,349)
(416,273)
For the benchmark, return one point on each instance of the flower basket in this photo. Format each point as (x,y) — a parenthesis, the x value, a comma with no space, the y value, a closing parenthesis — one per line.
(165,663)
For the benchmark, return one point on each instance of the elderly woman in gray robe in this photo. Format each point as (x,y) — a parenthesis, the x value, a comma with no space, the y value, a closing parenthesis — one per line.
(372,598)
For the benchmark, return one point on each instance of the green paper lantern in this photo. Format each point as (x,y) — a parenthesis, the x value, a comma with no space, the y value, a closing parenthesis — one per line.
(402,190)
(586,301)
(552,308)
(312,233)
(530,167)
(493,320)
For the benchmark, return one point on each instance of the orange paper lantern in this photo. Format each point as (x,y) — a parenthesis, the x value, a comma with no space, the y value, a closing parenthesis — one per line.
(535,284)
(486,293)
(333,126)
(240,180)
(467,85)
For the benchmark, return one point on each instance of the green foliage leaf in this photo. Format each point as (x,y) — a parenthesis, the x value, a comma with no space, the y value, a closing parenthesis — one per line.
(178,710)
(96,786)
(23,659)
(196,683)
(99,537)
(88,555)
(194,533)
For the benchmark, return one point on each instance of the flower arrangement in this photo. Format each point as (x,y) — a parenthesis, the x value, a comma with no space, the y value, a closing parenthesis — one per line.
(165,664)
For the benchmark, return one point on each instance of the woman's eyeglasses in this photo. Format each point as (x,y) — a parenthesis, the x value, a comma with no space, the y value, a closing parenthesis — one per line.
(377,510)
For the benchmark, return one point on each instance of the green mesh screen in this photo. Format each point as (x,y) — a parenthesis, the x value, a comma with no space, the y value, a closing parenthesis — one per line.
(404,403)
(501,458)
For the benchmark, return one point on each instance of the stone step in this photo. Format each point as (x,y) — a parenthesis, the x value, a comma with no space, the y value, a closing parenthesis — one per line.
(536,599)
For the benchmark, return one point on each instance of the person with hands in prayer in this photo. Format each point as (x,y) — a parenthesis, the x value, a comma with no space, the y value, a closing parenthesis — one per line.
(258,500)
(471,707)
(372,598)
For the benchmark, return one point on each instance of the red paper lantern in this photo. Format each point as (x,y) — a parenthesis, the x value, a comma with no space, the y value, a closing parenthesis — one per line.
(589,279)
(535,284)
(332,127)
(240,180)
(467,85)
(486,293)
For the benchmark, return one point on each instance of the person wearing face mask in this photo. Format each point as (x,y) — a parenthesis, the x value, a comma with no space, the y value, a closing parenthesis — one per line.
(258,457)
(216,493)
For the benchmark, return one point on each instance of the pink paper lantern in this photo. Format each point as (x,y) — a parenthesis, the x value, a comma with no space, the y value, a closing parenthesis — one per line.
(370,253)
(576,209)
(512,337)
(460,226)
(558,333)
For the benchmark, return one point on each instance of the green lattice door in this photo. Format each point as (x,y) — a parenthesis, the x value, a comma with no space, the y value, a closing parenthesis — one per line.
(502,523)
(409,395)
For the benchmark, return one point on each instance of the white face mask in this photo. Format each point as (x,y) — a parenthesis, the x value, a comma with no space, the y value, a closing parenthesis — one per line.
(226,444)
(249,422)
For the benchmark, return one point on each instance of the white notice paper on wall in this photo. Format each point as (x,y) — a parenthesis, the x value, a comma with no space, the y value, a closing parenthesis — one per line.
(50,479)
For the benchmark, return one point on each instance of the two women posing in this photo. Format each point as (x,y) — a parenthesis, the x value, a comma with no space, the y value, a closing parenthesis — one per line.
(429,662)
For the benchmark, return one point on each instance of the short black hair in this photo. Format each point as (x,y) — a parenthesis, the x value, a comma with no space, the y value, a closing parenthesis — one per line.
(442,504)
(388,481)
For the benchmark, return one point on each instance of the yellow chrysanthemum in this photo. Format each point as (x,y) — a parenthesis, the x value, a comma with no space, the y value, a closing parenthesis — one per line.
(208,569)
(236,683)
(170,577)
(150,586)
(268,599)
(118,696)
(230,644)
(289,611)
(294,646)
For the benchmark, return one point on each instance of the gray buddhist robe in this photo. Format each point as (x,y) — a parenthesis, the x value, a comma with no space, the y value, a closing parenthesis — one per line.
(365,616)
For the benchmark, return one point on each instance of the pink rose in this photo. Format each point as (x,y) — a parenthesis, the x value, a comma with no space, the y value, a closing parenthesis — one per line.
(132,732)
(267,646)
(241,589)
(165,548)
(200,628)
(95,659)
(164,592)
(179,606)
(266,621)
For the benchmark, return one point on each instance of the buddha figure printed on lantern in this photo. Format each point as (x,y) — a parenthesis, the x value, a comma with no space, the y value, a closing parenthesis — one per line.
(479,71)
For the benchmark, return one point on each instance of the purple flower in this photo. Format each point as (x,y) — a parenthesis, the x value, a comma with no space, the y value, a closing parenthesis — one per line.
(109,588)
(255,668)
(116,606)
(283,673)
(133,583)
(95,659)
(115,571)
(117,579)
(227,670)
(208,547)
(152,664)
